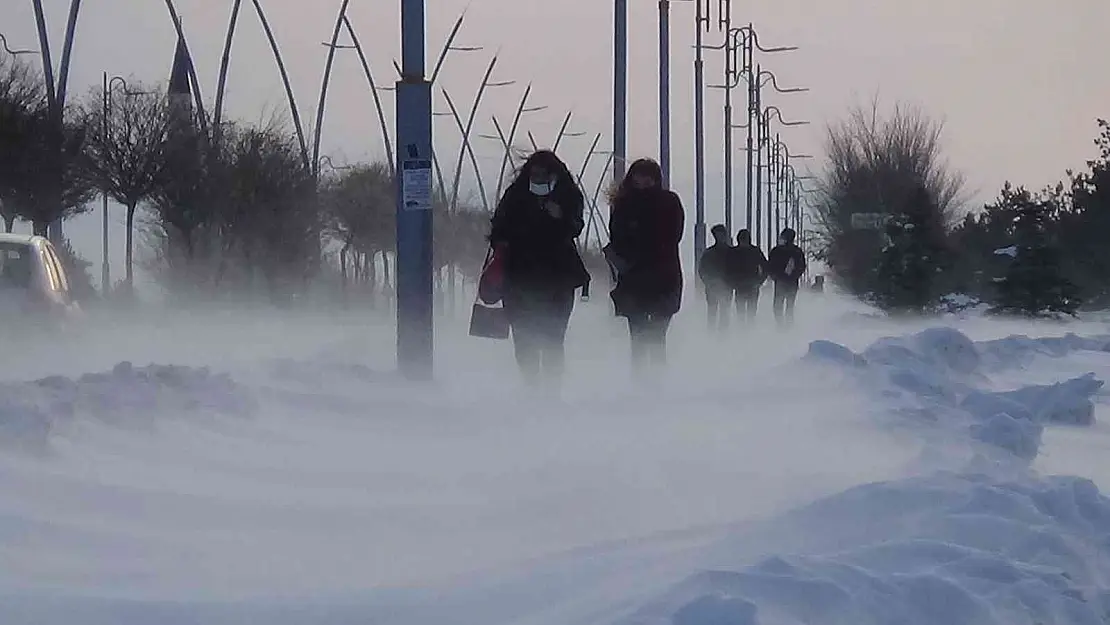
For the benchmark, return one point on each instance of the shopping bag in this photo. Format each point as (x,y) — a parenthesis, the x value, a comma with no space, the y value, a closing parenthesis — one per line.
(489,322)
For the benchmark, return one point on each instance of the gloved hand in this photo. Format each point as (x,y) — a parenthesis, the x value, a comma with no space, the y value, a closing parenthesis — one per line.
(553,209)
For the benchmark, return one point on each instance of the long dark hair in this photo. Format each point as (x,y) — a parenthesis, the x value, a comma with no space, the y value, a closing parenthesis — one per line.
(640,167)
(566,187)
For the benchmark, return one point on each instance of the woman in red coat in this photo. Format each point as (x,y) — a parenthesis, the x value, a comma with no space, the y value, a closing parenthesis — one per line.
(645,228)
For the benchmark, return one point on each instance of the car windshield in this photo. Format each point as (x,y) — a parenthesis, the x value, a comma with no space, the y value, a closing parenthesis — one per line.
(15,265)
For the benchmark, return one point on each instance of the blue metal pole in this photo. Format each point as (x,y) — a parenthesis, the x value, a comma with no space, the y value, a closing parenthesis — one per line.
(620,87)
(415,322)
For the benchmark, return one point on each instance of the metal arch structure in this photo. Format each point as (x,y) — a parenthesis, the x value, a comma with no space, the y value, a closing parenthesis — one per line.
(55,90)
(374,91)
(44,51)
(316,135)
(67,50)
(508,140)
(293,110)
(225,62)
(467,129)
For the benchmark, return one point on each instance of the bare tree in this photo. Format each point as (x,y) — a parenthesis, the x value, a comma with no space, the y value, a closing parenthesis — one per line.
(359,205)
(877,165)
(22,94)
(273,221)
(188,206)
(125,151)
(48,181)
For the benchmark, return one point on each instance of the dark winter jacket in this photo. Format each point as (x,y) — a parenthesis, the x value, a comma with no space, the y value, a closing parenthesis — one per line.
(747,267)
(786,263)
(539,249)
(645,229)
(714,267)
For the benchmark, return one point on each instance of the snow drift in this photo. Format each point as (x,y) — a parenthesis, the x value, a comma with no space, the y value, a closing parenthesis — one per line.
(975,537)
(125,396)
(989,542)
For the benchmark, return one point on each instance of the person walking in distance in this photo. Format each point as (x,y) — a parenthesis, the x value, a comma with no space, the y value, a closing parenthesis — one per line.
(714,274)
(747,272)
(645,228)
(534,229)
(786,264)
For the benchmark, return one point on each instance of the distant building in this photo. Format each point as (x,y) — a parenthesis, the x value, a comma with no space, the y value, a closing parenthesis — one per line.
(180,91)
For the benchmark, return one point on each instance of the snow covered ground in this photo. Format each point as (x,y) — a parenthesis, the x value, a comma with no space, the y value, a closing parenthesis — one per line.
(220,469)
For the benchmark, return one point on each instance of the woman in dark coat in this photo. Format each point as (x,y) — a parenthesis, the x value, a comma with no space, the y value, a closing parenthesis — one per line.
(645,228)
(533,232)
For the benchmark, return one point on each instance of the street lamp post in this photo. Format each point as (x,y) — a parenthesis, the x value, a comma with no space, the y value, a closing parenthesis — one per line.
(665,91)
(6,48)
(106,103)
(739,47)
(415,314)
(763,122)
(701,20)
(620,86)
(781,169)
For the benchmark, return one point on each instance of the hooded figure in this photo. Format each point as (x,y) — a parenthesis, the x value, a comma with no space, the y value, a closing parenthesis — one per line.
(786,264)
(533,231)
(645,228)
(748,272)
(715,277)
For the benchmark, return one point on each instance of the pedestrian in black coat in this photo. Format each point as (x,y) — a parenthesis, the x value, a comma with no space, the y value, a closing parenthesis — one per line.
(645,228)
(748,272)
(714,272)
(534,230)
(786,264)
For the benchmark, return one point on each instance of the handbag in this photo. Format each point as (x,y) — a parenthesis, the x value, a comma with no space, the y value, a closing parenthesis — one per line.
(489,322)
(488,318)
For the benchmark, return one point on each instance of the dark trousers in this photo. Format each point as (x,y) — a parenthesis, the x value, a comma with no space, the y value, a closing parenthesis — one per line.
(747,301)
(785,294)
(718,301)
(649,341)
(539,320)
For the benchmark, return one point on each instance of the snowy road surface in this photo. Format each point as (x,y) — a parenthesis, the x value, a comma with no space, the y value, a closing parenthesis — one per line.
(295,480)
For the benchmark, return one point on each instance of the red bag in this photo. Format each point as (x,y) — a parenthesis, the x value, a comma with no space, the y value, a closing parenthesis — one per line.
(491,284)
(488,318)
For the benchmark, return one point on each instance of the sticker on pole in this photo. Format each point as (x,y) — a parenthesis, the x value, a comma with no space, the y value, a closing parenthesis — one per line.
(416,184)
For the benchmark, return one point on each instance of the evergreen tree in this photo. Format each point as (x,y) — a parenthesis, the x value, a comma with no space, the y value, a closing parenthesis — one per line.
(1034,284)
(907,274)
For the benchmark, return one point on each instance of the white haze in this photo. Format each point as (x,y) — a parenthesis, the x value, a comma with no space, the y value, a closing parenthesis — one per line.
(350,479)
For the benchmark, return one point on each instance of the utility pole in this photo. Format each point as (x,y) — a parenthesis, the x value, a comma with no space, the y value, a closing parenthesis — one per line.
(701,20)
(105,270)
(665,90)
(620,88)
(415,321)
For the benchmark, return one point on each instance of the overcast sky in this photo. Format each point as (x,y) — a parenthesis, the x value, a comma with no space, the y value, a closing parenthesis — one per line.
(1017,82)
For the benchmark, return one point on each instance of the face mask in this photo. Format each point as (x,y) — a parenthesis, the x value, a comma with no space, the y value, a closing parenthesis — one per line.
(782,241)
(541,188)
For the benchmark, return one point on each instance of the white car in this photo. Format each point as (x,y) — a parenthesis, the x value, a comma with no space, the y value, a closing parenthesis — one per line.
(33,283)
